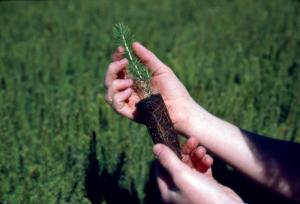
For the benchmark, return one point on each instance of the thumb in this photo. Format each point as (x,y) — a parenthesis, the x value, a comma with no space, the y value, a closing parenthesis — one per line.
(148,58)
(168,159)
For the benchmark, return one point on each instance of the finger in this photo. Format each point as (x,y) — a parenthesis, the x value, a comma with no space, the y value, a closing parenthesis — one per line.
(168,159)
(198,153)
(121,84)
(116,86)
(190,145)
(148,58)
(119,54)
(207,161)
(197,159)
(119,99)
(113,69)
(204,164)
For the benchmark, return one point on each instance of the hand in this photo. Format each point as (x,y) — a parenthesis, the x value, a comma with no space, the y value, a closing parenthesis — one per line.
(194,155)
(123,98)
(178,183)
(225,140)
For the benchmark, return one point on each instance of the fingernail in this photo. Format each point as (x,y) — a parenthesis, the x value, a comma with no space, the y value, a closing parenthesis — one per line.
(123,61)
(157,149)
(129,81)
(136,43)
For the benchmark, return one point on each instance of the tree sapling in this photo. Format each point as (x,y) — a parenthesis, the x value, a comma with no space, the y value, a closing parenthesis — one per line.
(151,108)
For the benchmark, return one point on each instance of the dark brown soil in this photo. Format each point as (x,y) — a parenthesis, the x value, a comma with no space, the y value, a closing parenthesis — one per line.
(154,114)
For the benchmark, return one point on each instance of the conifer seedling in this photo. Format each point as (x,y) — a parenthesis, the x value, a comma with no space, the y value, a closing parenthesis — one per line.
(136,70)
(152,109)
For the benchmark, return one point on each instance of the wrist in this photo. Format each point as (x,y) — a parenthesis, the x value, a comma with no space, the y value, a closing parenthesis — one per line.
(211,131)
(198,122)
(222,138)
(186,120)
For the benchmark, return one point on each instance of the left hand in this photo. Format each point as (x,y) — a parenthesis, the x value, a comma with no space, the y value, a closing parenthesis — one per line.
(178,183)
(122,96)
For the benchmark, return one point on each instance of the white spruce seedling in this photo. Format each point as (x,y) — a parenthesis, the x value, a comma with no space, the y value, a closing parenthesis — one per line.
(136,70)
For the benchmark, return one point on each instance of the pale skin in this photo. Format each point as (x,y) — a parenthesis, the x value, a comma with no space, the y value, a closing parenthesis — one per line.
(224,139)
(177,185)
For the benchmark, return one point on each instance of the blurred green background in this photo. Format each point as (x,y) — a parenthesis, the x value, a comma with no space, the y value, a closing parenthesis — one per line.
(60,142)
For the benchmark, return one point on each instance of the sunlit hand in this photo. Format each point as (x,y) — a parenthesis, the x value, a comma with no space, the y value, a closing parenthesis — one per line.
(123,98)
(178,183)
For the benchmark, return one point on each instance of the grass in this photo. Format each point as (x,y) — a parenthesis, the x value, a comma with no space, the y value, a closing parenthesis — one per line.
(239,60)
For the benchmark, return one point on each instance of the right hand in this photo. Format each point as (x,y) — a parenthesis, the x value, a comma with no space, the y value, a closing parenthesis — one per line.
(178,183)
(123,98)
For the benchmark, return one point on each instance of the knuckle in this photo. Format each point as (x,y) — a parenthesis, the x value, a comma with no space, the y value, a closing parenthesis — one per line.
(116,100)
(111,66)
(114,83)
(117,104)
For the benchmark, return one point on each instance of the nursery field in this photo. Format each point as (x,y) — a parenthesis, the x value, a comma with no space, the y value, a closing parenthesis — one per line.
(61,143)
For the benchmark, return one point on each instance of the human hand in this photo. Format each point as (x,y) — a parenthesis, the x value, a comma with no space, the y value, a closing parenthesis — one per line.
(194,155)
(123,98)
(178,183)
(225,140)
